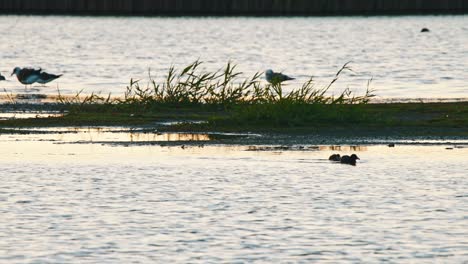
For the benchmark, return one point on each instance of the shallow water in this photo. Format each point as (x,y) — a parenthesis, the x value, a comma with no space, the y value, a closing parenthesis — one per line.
(28,114)
(101,54)
(94,203)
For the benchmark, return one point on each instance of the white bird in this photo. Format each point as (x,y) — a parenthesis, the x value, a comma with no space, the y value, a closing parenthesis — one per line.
(276,77)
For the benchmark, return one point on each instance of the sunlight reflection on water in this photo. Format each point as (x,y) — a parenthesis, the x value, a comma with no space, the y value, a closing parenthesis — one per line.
(93,203)
(109,51)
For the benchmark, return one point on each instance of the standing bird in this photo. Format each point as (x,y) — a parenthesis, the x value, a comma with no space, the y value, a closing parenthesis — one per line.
(45,77)
(351,160)
(26,75)
(276,77)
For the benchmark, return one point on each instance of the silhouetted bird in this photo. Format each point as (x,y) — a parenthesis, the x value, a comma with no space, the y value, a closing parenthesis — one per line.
(26,75)
(349,159)
(276,77)
(335,157)
(45,77)
(2,78)
(425,30)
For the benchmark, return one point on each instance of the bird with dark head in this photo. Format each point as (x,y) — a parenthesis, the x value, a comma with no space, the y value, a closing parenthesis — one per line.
(351,160)
(2,78)
(276,77)
(26,75)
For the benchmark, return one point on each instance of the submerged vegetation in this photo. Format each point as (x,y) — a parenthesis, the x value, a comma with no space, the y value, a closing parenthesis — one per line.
(227,102)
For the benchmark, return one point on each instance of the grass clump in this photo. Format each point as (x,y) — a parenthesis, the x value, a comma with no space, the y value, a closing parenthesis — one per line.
(192,86)
(229,98)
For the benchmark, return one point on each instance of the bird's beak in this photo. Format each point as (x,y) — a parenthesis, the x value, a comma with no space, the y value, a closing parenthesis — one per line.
(12,73)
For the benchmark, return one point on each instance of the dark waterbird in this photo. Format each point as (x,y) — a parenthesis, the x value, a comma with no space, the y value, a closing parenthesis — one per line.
(29,75)
(2,78)
(351,160)
(276,77)
(335,157)
(425,30)
(26,75)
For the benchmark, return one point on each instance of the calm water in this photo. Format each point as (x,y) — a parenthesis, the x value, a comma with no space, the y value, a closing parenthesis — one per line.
(103,195)
(94,203)
(102,54)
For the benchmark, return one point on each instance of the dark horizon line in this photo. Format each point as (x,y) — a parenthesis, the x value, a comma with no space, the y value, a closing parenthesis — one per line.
(239,14)
(234,7)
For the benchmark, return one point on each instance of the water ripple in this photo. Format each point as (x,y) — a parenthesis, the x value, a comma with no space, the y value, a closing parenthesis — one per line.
(109,51)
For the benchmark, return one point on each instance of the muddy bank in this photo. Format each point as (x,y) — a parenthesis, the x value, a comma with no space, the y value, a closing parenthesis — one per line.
(315,124)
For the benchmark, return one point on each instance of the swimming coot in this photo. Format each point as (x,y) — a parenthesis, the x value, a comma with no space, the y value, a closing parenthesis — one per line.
(349,159)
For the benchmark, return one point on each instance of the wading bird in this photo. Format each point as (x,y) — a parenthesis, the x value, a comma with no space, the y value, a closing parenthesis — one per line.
(26,75)
(29,76)
(276,77)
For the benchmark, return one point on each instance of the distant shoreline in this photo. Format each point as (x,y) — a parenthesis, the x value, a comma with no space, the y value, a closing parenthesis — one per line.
(234,7)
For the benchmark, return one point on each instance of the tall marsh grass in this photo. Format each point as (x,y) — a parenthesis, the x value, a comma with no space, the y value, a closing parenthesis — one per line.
(225,87)
(236,100)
